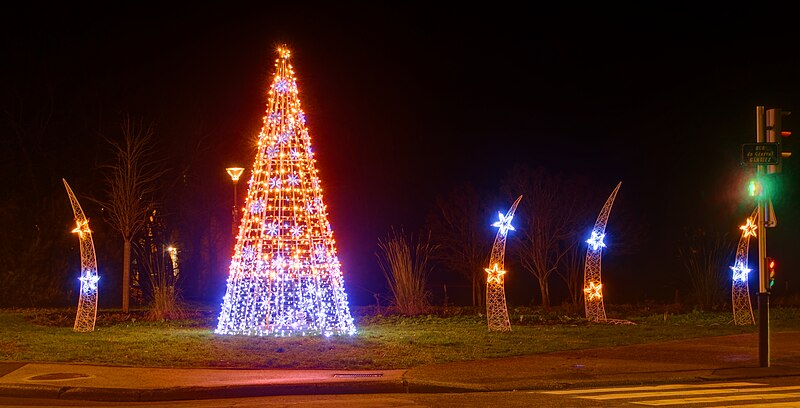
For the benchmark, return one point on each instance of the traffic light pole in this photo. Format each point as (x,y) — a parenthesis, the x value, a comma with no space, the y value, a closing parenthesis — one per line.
(763,293)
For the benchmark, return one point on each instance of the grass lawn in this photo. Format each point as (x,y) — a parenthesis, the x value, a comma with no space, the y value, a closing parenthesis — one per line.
(383,342)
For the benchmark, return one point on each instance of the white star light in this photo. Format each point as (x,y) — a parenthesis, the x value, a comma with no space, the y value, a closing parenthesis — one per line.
(504,224)
(740,272)
(90,281)
(596,241)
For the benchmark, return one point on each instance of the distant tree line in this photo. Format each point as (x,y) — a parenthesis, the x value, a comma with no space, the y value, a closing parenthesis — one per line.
(148,192)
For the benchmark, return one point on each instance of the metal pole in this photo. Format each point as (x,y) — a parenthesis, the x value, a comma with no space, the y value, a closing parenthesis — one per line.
(763,293)
(233,211)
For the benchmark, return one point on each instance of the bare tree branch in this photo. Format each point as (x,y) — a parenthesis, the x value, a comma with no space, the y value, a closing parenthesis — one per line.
(131,185)
(550,223)
(461,229)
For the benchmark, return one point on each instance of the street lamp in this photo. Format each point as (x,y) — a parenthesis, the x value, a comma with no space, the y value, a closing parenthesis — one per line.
(235,173)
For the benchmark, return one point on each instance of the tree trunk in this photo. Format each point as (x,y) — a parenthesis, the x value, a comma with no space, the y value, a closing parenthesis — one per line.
(477,290)
(544,288)
(126,276)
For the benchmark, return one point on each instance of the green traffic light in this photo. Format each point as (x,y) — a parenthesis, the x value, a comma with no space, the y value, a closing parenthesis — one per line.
(755,188)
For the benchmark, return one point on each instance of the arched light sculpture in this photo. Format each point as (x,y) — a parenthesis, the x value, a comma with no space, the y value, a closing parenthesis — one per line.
(87,302)
(496,308)
(592,283)
(740,287)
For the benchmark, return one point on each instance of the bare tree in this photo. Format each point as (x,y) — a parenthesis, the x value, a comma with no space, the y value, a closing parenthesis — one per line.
(406,267)
(705,256)
(554,215)
(131,184)
(571,270)
(461,229)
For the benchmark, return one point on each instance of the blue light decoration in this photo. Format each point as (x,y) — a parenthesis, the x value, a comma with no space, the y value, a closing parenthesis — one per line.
(285,278)
(504,223)
(740,272)
(596,240)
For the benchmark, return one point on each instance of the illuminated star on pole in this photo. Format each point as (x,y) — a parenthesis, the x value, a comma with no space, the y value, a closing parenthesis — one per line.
(82,228)
(594,290)
(504,224)
(495,274)
(740,272)
(596,240)
(749,229)
(90,281)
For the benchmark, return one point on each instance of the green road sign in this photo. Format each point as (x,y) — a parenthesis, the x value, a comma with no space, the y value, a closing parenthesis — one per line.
(760,153)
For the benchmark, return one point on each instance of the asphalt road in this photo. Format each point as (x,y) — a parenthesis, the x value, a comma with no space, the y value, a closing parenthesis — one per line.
(771,392)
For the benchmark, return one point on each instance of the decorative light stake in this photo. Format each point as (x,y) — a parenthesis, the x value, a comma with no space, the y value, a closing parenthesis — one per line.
(87,302)
(592,284)
(740,288)
(285,277)
(496,308)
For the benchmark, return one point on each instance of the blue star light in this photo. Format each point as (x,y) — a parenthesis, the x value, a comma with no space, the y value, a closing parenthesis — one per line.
(596,241)
(740,272)
(90,281)
(504,224)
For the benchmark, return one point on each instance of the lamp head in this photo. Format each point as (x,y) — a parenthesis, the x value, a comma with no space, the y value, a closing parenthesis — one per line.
(235,172)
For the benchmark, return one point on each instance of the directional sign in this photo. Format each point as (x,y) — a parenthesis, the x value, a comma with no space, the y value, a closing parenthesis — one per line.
(760,153)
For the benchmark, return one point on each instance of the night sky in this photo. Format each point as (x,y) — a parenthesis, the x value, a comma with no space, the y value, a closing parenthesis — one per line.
(404,104)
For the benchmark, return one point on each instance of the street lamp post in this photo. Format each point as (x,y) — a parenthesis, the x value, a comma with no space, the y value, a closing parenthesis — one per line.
(235,173)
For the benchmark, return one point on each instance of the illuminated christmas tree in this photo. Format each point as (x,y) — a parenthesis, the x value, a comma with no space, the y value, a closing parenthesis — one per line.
(285,277)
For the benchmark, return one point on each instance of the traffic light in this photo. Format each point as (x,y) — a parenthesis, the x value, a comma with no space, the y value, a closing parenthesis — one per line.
(776,134)
(755,188)
(771,269)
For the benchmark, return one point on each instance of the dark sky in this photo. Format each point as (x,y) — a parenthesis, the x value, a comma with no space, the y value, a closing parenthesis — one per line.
(403,104)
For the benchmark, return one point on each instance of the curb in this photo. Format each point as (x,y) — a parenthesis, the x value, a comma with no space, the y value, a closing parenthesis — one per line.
(190,393)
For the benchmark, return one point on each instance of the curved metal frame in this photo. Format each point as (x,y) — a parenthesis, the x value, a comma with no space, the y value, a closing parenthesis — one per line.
(740,287)
(496,308)
(592,283)
(87,303)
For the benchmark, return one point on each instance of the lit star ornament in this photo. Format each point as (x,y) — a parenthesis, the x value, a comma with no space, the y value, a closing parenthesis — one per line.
(594,290)
(82,228)
(749,229)
(90,281)
(504,224)
(495,274)
(740,272)
(596,241)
